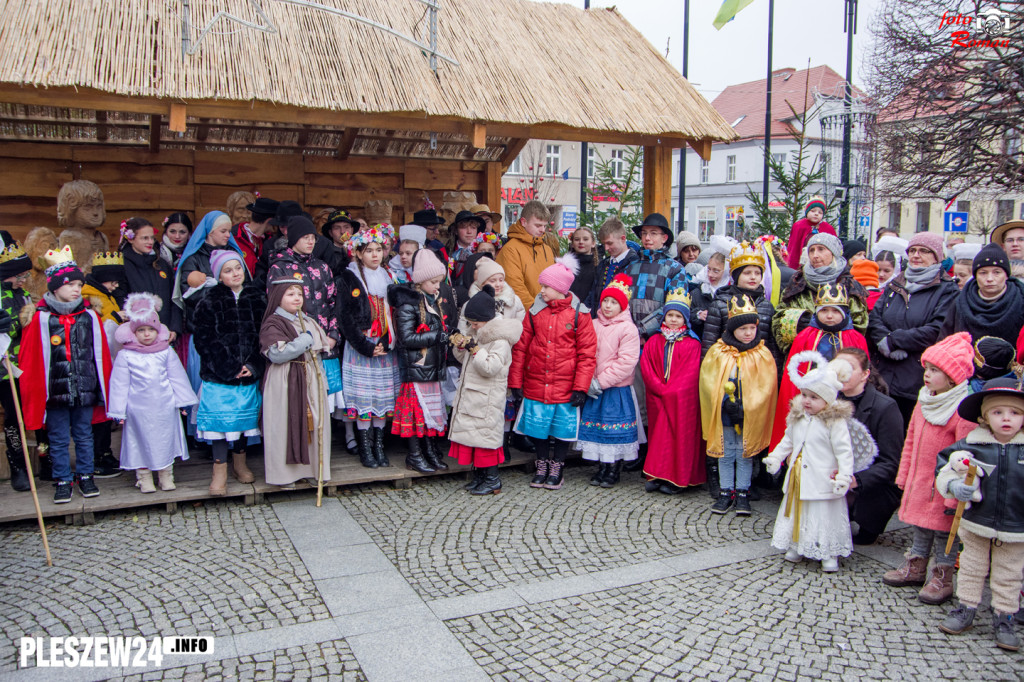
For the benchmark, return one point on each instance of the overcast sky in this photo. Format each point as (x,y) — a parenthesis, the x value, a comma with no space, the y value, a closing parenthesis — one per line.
(804,29)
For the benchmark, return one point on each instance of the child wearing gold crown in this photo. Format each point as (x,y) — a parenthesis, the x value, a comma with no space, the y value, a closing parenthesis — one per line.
(737,401)
(670,364)
(15,267)
(610,432)
(66,372)
(831,329)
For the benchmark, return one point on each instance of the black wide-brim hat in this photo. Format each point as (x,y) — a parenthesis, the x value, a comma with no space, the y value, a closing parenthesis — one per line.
(659,221)
(469,215)
(338,217)
(285,211)
(427,218)
(970,407)
(264,206)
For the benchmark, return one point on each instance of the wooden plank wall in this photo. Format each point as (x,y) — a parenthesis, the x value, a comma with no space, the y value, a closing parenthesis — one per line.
(151,185)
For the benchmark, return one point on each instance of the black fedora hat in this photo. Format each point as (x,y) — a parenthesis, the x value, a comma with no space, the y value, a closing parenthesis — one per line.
(264,206)
(970,407)
(659,221)
(472,217)
(286,210)
(427,218)
(338,216)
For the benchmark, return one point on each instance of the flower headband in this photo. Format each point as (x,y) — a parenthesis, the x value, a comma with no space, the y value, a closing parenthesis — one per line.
(486,237)
(126,232)
(370,235)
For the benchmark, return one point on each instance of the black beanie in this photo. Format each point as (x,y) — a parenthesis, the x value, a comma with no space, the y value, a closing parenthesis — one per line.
(736,321)
(992,357)
(13,262)
(480,308)
(991,255)
(851,247)
(298,227)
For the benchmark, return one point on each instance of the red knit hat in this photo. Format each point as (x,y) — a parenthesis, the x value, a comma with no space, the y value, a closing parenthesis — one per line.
(620,288)
(954,355)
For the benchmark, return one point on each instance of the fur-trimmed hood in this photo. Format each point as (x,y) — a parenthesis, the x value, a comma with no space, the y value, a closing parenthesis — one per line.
(402,294)
(983,435)
(507,295)
(839,410)
(509,329)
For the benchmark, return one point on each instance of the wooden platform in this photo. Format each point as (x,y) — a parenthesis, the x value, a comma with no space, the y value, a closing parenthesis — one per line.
(193,480)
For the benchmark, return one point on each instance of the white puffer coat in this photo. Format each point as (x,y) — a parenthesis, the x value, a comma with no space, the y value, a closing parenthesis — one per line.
(826,444)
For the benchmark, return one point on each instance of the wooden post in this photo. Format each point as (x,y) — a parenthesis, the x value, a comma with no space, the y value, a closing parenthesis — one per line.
(177,119)
(492,185)
(658,181)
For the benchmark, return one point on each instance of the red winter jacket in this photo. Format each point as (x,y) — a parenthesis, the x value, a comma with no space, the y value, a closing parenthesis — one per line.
(556,354)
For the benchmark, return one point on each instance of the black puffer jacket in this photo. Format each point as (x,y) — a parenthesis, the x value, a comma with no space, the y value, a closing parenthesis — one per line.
(354,313)
(73,381)
(912,323)
(150,273)
(718,315)
(421,354)
(227,334)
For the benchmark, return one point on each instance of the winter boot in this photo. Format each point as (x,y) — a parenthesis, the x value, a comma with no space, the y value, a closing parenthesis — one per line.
(144,481)
(506,443)
(45,463)
(522,443)
(366,456)
(240,468)
(378,448)
(414,461)
(1002,626)
(478,475)
(912,572)
(432,455)
(554,479)
(830,565)
(939,588)
(19,477)
(602,471)
(723,503)
(711,469)
(638,463)
(106,466)
(219,482)
(612,474)
(960,619)
(490,485)
(742,503)
(542,473)
(166,478)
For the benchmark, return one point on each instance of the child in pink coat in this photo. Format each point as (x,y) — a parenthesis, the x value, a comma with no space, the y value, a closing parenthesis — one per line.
(609,430)
(935,424)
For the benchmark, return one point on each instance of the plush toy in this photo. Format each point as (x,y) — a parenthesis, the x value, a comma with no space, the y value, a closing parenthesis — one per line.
(37,243)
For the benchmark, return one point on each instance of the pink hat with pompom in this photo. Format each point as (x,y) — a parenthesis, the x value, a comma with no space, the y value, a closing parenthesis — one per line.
(561,275)
(954,355)
(143,310)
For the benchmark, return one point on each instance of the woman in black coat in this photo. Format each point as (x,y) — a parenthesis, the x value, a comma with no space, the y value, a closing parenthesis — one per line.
(145,271)
(874,496)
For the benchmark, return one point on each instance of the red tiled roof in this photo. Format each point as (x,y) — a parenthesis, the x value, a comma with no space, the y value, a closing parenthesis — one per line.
(747,99)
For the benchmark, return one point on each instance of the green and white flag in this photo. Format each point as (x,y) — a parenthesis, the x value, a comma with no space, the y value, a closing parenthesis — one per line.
(728,11)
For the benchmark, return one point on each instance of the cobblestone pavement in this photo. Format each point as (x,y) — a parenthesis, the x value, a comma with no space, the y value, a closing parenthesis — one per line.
(433,584)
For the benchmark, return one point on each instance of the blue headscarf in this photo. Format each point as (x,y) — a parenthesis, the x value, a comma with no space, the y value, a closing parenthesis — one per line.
(196,241)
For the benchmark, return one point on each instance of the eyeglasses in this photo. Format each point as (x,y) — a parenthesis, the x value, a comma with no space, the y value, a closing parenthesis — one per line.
(1014,240)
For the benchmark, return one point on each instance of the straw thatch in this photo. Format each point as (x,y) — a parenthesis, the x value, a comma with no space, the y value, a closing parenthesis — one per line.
(520,62)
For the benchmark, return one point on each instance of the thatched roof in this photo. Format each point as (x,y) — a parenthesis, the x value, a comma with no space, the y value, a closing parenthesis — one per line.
(524,68)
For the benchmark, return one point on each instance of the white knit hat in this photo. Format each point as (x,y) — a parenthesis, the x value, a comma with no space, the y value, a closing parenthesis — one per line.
(824,379)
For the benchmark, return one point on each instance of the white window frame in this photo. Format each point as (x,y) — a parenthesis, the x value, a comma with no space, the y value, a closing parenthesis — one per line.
(553,159)
(705,171)
(516,167)
(730,168)
(706,216)
(619,163)
(591,161)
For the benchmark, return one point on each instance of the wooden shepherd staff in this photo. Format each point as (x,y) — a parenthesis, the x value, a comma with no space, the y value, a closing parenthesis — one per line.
(28,461)
(319,430)
(972,472)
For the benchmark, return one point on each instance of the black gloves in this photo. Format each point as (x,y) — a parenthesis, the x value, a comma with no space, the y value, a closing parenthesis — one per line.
(578,398)
(734,410)
(517,395)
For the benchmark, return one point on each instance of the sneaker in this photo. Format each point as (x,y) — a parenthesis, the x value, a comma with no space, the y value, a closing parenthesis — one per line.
(793,556)
(87,486)
(830,565)
(723,503)
(63,493)
(1006,638)
(960,619)
(742,503)
(106,466)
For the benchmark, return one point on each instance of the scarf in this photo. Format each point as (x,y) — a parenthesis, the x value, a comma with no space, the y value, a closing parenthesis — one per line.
(671,336)
(1000,317)
(278,328)
(830,340)
(825,275)
(919,278)
(66,312)
(939,408)
(730,340)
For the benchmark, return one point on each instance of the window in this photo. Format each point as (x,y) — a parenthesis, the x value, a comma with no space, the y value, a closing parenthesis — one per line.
(1011,144)
(964,207)
(895,209)
(1004,211)
(590,161)
(553,160)
(516,167)
(619,163)
(705,222)
(924,212)
(730,169)
(704,171)
(779,158)
(733,214)
(826,159)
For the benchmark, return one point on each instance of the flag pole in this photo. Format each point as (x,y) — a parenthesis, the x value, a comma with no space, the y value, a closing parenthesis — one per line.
(682,151)
(768,106)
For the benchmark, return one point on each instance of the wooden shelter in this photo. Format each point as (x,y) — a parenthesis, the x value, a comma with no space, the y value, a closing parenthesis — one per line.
(302,102)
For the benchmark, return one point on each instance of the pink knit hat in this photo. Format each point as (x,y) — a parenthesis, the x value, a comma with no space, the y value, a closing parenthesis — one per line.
(560,276)
(425,265)
(954,355)
(930,241)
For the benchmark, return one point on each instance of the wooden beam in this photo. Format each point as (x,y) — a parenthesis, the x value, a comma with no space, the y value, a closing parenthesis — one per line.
(348,138)
(102,132)
(382,146)
(178,120)
(479,136)
(492,184)
(658,181)
(702,147)
(512,150)
(154,132)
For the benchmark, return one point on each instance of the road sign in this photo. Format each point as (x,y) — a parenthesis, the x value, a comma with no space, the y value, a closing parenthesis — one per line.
(570,221)
(864,221)
(865,210)
(954,221)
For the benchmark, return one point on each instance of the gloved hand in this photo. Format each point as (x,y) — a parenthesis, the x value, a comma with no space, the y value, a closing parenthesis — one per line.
(772,465)
(442,339)
(305,339)
(517,394)
(841,483)
(964,492)
(6,322)
(470,346)
(595,389)
(883,347)
(578,398)
(734,410)
(898,355)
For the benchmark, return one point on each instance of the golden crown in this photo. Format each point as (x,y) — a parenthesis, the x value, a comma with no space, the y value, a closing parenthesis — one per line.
(678,296)
(741,305)
(107,258)
(831,295)
(12,252)
(623,283)
(53,258)
(743,254)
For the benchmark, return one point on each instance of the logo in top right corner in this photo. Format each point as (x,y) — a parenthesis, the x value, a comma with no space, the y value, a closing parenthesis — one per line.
(990,28)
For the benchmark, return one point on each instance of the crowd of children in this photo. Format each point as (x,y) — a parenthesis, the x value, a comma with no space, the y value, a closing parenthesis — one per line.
(626,358)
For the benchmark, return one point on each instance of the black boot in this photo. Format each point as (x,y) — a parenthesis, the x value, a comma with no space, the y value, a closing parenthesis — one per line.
(711,468)
(16,459)
(378,448)
(541,475)
(366,456)
(522,443)
(555,472)
(742,503)
(414,460)
(505,444)
(45,463)
(722,504)
(611,474)
(638,463)
(431,454)
(106,466)
(490,485)
(602,471)
(478,475)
